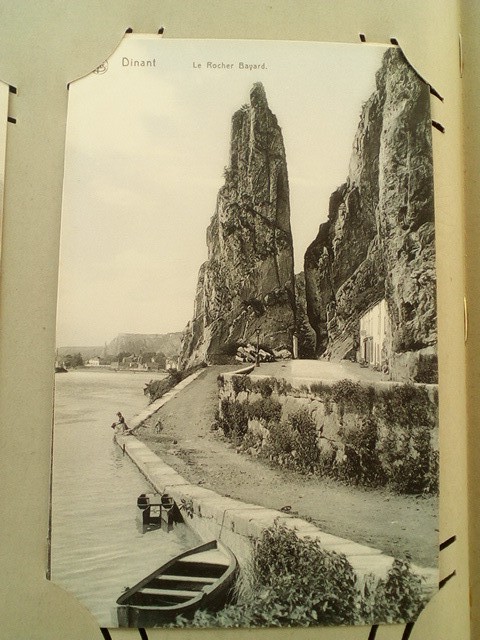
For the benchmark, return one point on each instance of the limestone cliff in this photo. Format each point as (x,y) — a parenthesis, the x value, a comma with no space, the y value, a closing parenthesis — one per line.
(305,333)
(247,283)
(378,241)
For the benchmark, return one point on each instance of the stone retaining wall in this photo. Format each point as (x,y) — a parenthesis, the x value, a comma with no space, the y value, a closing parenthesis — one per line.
(399,422)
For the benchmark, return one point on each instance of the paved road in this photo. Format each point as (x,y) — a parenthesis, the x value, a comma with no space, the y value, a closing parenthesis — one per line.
(319,370)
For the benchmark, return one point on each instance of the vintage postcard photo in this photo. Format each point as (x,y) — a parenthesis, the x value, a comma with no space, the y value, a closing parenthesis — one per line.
(246,388)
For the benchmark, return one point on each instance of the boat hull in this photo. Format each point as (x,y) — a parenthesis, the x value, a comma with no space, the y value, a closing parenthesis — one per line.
(202,578)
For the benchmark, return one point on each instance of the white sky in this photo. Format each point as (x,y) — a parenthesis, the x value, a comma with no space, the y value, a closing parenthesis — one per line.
(146,149)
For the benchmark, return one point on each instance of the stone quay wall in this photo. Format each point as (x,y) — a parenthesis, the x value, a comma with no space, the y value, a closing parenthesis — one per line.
(373,433)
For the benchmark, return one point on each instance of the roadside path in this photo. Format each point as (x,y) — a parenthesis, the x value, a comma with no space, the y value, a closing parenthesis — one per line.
(179,432)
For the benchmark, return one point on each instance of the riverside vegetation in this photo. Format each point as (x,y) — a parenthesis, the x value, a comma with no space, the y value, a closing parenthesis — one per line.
(391,444)
(155,389)
(295,582)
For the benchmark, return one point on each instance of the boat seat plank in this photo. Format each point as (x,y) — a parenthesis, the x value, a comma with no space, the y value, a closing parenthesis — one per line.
(170,592)
(188,578)
(199,569)
(212,556)
(140,599)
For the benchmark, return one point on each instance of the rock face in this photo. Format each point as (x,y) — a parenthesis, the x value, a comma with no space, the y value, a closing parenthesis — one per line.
(247,283)
(378,242)
(305,333)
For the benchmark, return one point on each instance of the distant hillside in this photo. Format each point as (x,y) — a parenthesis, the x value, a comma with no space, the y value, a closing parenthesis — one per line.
(87,352)
(167,343)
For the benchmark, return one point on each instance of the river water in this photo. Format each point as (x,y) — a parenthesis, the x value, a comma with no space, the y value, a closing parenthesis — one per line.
(98,546)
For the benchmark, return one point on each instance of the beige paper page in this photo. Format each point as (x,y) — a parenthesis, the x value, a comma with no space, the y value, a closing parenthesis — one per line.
(41,65)
(4,95)
(471,96)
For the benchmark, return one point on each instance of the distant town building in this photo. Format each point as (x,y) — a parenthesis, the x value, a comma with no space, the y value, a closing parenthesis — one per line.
(375,336)
(96,361)
(171,363)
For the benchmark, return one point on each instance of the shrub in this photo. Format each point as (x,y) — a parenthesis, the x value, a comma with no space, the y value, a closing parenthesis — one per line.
(406,452)
(362,464)
(155,389)
(389,444)
(321,389)
(427,369)
(327,459)
(283,387)
(280,444)
(305,438)
(232,419)
(301,573)
(264,386)
(407,405)
(433,474)
(295,582)
(293,442)
(399,598)
(266,409)
(251,441)
(241,383)
(409,460)
(353,395)
(233,416)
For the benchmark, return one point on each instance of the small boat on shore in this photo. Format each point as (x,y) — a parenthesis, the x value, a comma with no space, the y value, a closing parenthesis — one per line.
(201,578)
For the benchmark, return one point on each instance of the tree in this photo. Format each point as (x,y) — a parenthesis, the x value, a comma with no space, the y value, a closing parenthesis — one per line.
(72,361)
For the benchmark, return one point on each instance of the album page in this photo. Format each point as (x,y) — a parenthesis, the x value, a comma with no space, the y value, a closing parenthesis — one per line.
(246,364)
(4,96)
(42,53)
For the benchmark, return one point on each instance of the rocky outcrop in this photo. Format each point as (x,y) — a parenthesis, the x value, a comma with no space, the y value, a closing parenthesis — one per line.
(305,333)
(247,283)
(378,241)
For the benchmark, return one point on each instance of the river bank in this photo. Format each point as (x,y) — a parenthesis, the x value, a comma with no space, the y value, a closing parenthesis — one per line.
(180,433)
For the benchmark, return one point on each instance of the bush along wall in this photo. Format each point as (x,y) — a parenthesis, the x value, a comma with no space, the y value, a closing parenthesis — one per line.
(295,582)
(155,389)
(363,434)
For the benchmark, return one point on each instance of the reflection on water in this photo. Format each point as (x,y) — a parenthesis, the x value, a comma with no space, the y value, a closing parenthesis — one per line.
(98,547)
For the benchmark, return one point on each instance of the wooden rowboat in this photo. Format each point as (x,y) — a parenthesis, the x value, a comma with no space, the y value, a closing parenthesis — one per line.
(201,578)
